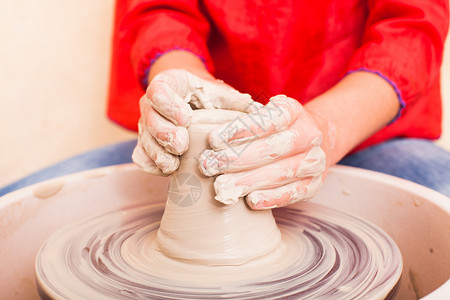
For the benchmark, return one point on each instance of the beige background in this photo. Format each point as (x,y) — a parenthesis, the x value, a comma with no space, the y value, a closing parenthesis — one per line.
(54,63)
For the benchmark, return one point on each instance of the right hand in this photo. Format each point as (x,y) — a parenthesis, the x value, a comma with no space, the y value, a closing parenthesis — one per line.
(166,111)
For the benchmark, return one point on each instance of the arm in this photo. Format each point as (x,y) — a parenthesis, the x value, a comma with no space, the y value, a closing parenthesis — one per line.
(350,112)
(151,29)
(402,44)
(397,62)
(171,39)
(293,145)
(354,109)
(143,31)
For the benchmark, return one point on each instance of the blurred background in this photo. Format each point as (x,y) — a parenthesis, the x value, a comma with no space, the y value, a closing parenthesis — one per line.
(54,64)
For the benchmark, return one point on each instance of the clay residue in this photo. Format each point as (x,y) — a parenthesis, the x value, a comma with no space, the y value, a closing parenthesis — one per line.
(47,190)
(416,283)
(346,192)
(94,174)
(418,201)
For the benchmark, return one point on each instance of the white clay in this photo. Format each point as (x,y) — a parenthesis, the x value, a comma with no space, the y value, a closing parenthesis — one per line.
(196,232)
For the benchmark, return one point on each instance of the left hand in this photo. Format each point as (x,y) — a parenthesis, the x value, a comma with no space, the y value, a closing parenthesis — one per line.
(274,157)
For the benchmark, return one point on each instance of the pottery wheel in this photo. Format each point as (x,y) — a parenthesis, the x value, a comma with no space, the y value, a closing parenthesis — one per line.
(338,257)
(192,247)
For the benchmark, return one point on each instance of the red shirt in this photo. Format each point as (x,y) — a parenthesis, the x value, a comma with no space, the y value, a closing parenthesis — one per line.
(296,48)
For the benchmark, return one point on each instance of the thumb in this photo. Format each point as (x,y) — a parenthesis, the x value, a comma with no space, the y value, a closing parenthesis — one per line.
(217,94)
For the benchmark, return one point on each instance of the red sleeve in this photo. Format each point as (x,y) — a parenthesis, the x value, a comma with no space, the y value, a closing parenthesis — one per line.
(155,27)
(143,30)
(403,43)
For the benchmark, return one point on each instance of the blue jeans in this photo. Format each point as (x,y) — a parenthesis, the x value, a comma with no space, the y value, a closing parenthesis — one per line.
(417,160)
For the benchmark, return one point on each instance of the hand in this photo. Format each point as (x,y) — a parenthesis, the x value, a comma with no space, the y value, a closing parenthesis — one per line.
(274,156)
(166,111)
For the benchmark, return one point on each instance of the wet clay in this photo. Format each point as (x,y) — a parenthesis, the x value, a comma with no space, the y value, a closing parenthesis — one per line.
(198,229)
(194,247)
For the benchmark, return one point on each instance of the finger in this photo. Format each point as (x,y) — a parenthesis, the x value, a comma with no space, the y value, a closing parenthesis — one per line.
(231,186)
(141,159)
(174,139)
(168,102)
(167,162)
(260,152)
(277,115)
(301,190)
(211,94)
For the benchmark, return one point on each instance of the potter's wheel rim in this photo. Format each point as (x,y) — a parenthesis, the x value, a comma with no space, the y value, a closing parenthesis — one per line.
(434,197)
(61,181)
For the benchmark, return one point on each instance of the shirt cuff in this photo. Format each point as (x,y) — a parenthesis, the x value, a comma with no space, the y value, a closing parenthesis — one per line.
(147,63)
(394,86)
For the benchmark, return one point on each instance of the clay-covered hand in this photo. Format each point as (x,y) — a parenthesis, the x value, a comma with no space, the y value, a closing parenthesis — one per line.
(166,111)
(274,156)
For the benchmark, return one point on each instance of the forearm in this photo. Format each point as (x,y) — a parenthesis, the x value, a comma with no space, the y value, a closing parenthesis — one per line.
(179,59)
(354,109)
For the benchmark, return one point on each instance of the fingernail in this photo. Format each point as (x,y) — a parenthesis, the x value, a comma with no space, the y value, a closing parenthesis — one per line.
(208,163)
(226,189)
(167,163)
(178,143)
(254,201)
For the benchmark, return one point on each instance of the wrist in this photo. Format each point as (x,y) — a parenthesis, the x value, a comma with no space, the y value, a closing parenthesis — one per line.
(328,130)
(180,59)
